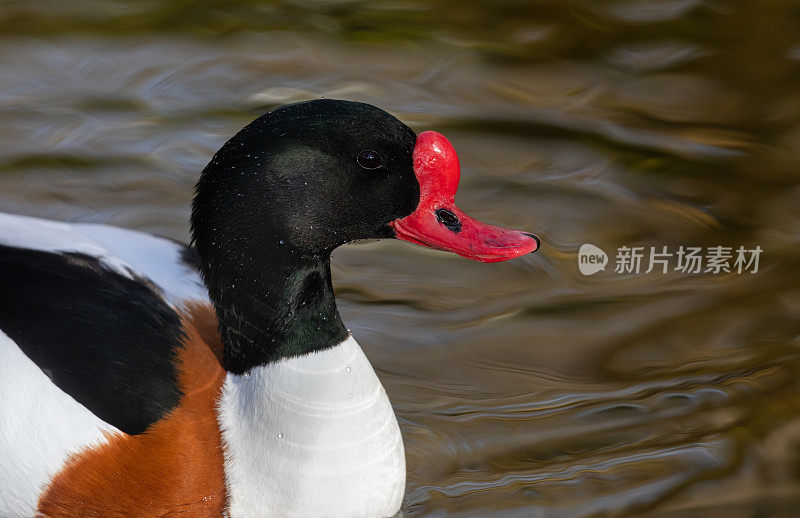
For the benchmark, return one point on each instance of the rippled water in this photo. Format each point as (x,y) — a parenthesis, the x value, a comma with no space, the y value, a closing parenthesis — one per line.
(522,388)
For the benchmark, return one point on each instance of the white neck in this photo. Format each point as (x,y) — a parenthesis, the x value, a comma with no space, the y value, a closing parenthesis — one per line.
(313,435)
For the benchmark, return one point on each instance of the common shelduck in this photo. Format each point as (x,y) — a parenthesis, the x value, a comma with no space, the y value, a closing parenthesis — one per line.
(144,377)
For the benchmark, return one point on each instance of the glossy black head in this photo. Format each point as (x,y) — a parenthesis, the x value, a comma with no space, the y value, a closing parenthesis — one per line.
(307,177)
(276,200)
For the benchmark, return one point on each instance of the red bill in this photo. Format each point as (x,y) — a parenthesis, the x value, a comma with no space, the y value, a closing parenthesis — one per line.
(438,223)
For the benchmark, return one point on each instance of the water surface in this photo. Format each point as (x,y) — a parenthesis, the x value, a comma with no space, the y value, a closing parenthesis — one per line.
(522,388)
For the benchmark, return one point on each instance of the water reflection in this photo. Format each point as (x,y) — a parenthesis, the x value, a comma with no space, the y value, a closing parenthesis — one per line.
(523,389)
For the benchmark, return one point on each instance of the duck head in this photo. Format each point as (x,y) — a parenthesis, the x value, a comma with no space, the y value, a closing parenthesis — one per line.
(296,183)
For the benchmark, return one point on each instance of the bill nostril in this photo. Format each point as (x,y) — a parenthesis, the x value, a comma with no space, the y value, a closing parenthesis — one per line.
(448,219)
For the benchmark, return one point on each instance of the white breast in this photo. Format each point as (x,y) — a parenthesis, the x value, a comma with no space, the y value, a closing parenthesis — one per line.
(312,436)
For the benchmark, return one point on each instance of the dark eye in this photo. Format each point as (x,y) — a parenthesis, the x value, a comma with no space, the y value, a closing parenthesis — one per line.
(369,160)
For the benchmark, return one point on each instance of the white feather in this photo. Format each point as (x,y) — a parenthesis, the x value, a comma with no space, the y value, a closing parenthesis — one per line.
(153,257)
(40,426)
(53,236)
(125,251)
(312,436)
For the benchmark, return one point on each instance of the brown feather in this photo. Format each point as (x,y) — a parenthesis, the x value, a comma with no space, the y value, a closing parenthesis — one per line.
(175,468)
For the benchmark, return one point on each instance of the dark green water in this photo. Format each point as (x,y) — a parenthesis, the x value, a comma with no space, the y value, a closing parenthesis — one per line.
(523,388)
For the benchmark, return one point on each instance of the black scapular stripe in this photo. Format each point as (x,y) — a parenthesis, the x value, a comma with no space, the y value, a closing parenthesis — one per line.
(107,340)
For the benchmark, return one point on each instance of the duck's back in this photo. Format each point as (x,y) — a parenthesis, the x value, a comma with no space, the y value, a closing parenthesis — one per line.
(170,266)
(97,346)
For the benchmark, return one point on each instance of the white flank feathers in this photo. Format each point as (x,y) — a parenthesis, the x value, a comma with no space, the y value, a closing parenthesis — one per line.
(40,426)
